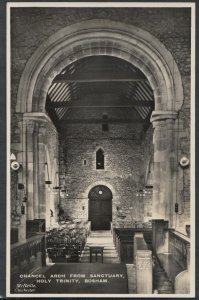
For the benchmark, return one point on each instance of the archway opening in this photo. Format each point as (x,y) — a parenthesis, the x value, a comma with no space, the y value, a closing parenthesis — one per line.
(100,207)
(152,64)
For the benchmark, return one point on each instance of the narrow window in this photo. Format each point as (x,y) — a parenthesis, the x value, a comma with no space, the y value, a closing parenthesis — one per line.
(85,162)
(100,159)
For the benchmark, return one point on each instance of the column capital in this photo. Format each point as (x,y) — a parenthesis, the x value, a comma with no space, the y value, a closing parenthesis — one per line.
(36,116)
(161,115)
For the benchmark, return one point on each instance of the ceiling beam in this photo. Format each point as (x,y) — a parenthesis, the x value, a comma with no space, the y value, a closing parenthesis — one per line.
(99,77)
(73,106)
(63,123)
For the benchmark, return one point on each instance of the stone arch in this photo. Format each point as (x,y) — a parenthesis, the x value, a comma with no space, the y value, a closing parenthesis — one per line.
(134,45)
(101,37)
(96,183)
(104,187)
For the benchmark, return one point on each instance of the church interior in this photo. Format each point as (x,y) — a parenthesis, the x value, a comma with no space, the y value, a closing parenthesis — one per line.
(100,149)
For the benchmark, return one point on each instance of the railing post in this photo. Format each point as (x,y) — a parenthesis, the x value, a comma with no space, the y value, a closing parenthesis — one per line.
(143,264)
(160,236)
(144,272)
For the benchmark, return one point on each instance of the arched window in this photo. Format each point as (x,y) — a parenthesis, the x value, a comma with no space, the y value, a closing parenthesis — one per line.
(100,159)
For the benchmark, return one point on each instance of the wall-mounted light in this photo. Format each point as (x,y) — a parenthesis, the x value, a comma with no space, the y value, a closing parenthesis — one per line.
(184,161)
(13,157)
(149,183)
(57,187)
(140,193)
(14,163)
(48,181)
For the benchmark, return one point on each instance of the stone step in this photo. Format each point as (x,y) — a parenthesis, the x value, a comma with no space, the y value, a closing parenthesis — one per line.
(101,232)
(106,260)
(99,257)
(108,255)
(99,240)
(101,235)
(103,239)
(105,250)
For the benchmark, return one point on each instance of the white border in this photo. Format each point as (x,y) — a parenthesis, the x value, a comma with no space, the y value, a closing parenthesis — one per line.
(100,4)
(192,153)
(8,137)
(192,146)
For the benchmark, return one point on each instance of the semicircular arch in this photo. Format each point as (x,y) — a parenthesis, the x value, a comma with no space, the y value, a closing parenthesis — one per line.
(101,37)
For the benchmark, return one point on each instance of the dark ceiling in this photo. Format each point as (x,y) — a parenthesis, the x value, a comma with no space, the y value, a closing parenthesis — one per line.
(99,82)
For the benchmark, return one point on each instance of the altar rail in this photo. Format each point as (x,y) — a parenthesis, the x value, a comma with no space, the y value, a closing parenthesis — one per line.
(173,252)
(27,256)
(143,265)
(179,247)
(124,241)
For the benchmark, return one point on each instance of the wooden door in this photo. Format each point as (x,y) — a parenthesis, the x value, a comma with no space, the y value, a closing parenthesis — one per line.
(100,208)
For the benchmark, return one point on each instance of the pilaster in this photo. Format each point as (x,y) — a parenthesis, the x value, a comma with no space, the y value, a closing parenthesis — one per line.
(29,168)
(164,141)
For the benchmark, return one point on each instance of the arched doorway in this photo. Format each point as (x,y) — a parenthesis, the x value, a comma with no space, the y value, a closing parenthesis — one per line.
(100,207)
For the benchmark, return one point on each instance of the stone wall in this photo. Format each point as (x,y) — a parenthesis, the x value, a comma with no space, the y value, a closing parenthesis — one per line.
(32,26)
(126,156)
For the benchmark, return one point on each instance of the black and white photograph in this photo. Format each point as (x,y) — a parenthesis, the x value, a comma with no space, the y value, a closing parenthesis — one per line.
(100,149)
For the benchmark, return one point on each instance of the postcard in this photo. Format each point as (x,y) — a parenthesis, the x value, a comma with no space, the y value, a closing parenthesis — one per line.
(101,149)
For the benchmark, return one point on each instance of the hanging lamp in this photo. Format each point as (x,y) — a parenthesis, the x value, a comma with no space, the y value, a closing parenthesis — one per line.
(57,187)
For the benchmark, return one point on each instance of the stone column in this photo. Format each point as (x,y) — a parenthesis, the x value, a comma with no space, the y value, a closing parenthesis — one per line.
(29,168)
(35,172)
(164,177)
(41,171)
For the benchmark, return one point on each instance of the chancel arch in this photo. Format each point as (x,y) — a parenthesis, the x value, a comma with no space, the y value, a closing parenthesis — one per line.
(137,47)
(99,37)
